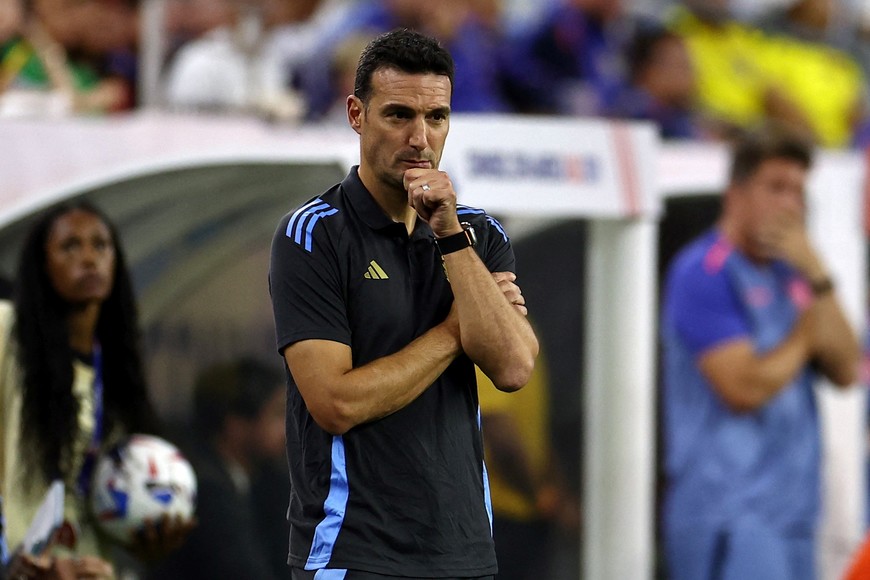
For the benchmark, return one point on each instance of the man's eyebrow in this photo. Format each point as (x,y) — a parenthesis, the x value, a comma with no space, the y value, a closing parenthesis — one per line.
(396,107)
(439,111)
(400,108)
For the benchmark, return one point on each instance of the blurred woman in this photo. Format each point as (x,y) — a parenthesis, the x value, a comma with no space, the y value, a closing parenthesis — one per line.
(71,377)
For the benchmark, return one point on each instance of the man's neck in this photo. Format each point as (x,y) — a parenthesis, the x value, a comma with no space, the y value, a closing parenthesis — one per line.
(394,201)
(739,240)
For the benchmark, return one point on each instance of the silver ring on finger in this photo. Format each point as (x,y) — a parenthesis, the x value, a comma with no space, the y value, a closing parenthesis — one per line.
(425,187)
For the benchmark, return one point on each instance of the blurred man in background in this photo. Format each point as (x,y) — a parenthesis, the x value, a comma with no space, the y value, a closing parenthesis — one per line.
(239,414)
(751,319)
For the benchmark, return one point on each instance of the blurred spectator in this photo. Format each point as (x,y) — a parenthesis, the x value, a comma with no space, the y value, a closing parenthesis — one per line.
(571,61)
(108,41)
(342,70)
(471,33)
(362,19)
(231,67)
(733,65)
(455,23)
(298,26)
(239,415)
(187,20)
(812,20)
(661,85)
(11,20)
(825,82)
(63,60)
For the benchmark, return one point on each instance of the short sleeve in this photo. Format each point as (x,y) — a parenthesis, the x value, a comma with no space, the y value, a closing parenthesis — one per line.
(703,309)
(498,254)
(306,288)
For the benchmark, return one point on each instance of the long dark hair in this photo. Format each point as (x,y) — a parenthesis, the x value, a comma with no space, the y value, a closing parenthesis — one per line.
(49,416)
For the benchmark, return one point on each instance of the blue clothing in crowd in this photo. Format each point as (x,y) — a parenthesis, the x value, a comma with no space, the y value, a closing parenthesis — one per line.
(637,104)
(567,62)
(474,48)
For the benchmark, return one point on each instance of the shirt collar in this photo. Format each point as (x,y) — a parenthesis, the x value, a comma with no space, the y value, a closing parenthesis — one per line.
(372,214)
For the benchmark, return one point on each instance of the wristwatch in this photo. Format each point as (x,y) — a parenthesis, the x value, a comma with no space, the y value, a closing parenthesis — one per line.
(467,238)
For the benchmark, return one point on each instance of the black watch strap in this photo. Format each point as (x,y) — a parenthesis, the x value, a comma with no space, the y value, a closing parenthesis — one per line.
(459,241)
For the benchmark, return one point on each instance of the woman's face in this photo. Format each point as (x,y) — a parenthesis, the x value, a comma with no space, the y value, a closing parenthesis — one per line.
(80,258)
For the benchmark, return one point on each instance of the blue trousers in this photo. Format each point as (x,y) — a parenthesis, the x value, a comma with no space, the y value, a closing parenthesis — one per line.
(742,553)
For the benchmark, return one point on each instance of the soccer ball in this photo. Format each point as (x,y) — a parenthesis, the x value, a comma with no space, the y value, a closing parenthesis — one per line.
(141,478)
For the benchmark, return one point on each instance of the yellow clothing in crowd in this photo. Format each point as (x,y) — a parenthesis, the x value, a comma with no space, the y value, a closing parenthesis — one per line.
(825,83)
(737,65)
(730,66)
(529,409)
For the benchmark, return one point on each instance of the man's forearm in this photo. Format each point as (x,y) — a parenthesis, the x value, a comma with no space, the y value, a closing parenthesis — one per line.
(835,346)
(340,397)
(747,380)
(494,334)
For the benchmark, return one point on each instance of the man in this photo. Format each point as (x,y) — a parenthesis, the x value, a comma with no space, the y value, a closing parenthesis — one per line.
(384,300)
(750,317)
(239,419)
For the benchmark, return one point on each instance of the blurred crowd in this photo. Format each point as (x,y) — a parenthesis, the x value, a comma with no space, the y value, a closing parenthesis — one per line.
(699,69)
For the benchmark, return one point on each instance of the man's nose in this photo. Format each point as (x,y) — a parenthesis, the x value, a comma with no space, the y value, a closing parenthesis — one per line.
(419,138)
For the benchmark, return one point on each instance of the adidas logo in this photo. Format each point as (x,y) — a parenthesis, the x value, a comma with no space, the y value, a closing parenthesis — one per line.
(375,272)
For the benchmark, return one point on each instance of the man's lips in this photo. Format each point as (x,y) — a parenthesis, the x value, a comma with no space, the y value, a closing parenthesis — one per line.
(421,163)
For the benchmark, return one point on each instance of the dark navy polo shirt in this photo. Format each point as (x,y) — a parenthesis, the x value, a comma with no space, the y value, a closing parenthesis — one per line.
(406,494)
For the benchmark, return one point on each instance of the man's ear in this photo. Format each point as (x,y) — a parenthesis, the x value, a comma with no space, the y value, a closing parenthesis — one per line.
(355,111)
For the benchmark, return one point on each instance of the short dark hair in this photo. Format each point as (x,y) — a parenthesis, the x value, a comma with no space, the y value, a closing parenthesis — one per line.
(404,50)
(753,149)
(238,388)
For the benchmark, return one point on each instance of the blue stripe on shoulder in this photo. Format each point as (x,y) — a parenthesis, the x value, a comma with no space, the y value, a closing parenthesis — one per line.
(303,220)
(466,210)
(326,532)
(494,222)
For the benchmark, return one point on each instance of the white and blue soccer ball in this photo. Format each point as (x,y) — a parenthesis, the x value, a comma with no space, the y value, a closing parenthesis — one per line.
(140,479)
